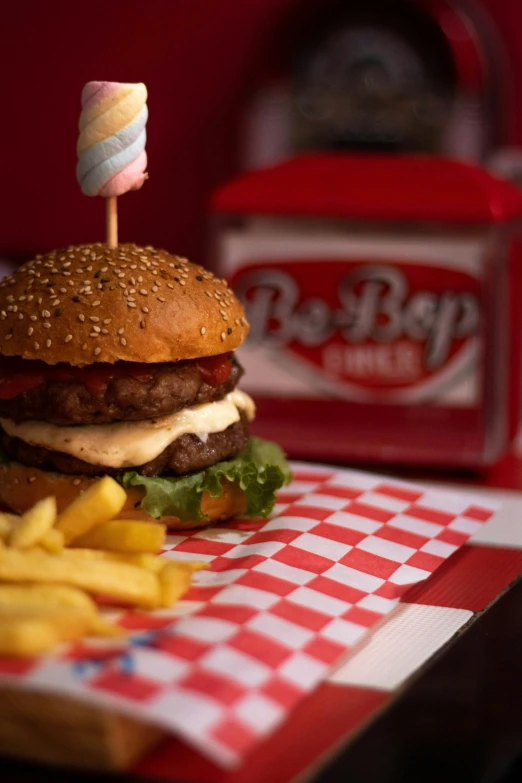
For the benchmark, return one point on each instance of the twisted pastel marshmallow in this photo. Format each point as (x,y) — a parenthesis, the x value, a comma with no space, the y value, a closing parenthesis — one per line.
(111,146)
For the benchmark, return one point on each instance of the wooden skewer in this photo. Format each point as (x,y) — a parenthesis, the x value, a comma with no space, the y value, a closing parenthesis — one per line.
(111,221)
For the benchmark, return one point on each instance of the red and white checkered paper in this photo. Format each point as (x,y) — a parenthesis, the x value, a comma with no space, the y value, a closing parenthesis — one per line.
(282,602)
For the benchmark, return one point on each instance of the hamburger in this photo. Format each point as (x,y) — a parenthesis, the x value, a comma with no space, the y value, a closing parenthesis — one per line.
(121,361)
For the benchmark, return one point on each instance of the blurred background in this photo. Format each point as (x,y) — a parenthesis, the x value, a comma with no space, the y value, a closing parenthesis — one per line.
(235,84)
(380,267)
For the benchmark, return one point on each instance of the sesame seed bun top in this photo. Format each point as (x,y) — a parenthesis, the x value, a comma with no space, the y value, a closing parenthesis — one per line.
(92,303)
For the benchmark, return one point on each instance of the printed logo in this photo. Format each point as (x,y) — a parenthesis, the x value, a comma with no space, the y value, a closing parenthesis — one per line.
(380,326)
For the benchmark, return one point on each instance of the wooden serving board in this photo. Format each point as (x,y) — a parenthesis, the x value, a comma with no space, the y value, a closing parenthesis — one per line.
(55,729)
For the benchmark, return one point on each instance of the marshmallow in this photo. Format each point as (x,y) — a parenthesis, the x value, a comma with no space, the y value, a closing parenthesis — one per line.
(111,145)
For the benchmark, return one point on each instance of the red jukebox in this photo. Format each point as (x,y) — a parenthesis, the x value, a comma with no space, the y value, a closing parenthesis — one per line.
(383,294)
(394,76)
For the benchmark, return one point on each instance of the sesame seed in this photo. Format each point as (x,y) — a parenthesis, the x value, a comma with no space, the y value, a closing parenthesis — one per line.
(154,289)
(131,304)
(145,309)
(30,331)
(46,325)
(36,346)
(107,320)
(96,329)
(48,343)
(160,298)
(182,282)
(96,303)
(97,351)
(93,334)
(81,317)
(8,336)
(105,331)
(122,285)
(68,338)
(121,330)
(131,299)
(143,292)
(169,285)
(33,317)
(20,316)
(123,341)
(202,330)
(223,336)
(94,318)
(31,479)
(207,293)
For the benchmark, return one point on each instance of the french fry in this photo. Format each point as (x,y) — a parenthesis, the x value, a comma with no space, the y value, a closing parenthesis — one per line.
(47,596)
(174,583)
(101,502)
(188,565)
(34,524)
(6,524)
(119,581)
(33,635)
(48,600)
(140,559)
(52,541)
(120,535)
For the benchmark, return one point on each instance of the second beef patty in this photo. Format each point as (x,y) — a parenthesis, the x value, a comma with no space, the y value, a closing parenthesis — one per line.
(186,454)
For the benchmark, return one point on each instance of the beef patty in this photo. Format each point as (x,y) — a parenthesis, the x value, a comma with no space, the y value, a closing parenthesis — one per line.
(185,455)
(166,389)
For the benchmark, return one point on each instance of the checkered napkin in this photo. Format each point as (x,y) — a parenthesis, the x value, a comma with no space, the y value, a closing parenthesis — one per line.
(281,603)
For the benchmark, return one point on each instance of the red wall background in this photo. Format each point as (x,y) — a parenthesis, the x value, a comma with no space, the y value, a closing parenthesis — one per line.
(199,59)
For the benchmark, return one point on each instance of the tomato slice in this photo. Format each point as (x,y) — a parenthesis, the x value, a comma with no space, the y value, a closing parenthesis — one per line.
(21,375)
(215,370)
(12,386)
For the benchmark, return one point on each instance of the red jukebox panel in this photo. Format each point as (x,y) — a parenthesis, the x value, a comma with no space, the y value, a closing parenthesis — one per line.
(377,289)
(429,76)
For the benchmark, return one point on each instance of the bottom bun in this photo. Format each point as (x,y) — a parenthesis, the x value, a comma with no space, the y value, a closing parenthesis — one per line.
(22,487)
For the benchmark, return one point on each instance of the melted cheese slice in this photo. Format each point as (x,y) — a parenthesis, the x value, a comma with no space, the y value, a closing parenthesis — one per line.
(125,444)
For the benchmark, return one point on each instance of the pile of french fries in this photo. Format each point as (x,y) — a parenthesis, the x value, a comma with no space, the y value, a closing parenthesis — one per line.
(53,567)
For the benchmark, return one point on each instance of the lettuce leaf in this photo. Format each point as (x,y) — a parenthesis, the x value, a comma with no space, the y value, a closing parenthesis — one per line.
(260,470)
